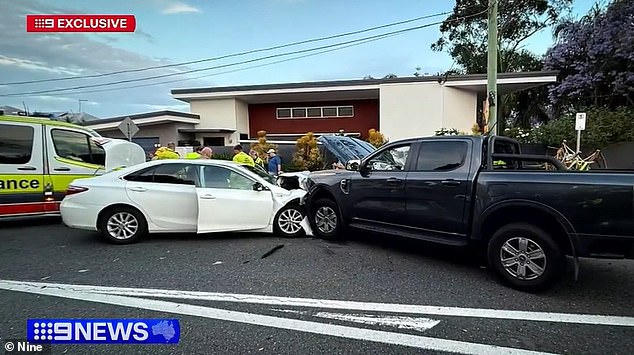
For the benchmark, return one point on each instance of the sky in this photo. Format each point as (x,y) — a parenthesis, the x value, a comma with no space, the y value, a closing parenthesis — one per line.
(174,31)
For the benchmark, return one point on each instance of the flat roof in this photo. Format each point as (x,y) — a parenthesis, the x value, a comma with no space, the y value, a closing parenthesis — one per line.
(360,82)
(141,115)
(364,89)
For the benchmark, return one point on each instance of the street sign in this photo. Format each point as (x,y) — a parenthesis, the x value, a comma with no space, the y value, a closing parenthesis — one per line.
(580,122)
(128,128)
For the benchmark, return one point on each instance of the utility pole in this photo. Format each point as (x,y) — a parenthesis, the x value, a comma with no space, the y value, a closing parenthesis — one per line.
(80,100)
(492,69)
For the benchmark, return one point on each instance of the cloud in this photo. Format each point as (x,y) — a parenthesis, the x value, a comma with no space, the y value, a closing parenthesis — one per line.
(144,35)
(37,56)
(179,8)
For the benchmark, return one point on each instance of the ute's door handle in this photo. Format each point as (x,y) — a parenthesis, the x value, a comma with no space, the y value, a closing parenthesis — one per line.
(63,168)
(27,167)
(450,182)
(208,197)
(394,181)
(138,189)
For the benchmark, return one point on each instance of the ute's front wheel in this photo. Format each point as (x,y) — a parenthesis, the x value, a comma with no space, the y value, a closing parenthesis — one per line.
(525,257)
(325,219)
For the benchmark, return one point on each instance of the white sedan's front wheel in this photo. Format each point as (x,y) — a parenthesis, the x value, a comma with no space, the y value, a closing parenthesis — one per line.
(122,225)
(288,221)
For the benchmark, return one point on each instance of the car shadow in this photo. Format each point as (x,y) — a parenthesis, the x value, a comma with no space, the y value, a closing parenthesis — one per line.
(33,221)
(428,250)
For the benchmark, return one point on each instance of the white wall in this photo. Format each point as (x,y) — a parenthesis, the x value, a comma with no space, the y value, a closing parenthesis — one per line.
(419,109)
(409,110)
(215,114)
(460,107)
(242,117)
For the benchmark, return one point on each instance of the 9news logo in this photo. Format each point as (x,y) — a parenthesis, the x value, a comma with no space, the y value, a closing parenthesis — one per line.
(103,331)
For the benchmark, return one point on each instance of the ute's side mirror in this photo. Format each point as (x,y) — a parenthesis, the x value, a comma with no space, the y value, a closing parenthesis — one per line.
(353,165)
(259,187)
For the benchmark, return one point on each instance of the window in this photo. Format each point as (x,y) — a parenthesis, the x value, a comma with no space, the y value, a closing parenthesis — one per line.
(180,174)
(315,112)
(216,177)
(283,113)
(16,144)
(77,146)
(260,172)
(299,112)
(330,112)
(344,111)
(390,160)
(213,141)
(441,156)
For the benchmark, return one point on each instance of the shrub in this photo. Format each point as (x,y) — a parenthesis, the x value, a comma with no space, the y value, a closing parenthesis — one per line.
(307,155)
(376,138)
(262,146)
(603,127)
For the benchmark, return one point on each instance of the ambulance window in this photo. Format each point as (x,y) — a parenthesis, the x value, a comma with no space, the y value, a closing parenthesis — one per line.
(77,146)
(16,144)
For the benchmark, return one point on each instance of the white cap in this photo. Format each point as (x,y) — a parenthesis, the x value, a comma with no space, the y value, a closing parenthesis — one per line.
(270,151)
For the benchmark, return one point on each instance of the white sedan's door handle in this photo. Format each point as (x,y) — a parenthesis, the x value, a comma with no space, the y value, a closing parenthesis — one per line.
(138,189)
(208,197)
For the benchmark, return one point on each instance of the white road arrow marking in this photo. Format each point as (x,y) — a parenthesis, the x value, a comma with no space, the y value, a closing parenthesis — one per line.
(413,323)
(421,342)
(341,305)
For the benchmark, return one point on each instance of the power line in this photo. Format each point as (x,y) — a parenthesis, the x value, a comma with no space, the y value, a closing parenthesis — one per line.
(292,44)
(242,62)
(228,71)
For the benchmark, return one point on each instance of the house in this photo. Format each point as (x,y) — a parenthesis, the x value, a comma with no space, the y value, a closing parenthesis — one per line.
(398,107)
(156,128)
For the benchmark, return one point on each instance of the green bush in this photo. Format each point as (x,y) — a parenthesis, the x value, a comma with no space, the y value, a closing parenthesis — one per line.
(222,156)
(603,127)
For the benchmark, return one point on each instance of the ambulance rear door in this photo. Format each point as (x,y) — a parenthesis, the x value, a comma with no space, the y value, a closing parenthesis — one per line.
(21,169)
(72,154)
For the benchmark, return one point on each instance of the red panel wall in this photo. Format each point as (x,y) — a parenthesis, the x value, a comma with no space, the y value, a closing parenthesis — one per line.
(263,117)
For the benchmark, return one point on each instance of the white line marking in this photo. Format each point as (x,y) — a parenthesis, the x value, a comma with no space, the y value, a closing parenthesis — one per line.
(275,322)
(344,305)
(413,323)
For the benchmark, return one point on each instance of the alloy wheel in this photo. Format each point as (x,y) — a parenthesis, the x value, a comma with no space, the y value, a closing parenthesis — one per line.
(290,221)
(523,258)
(122,225)
(326,219)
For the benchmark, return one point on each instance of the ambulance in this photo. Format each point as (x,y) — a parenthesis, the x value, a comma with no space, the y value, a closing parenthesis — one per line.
(40,157)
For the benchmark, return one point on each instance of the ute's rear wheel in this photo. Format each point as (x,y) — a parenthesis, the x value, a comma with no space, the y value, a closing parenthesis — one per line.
(122,225)
(525,257)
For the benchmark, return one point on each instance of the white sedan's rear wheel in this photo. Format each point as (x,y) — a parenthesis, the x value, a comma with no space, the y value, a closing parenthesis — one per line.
(288,221)
(122,225)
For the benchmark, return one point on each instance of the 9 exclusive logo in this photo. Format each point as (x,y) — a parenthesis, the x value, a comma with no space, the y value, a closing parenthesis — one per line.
(80,23)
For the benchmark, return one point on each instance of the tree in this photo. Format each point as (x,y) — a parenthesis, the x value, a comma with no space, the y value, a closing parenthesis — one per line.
(307,155)
(595,58)
(464,37)
(464,32)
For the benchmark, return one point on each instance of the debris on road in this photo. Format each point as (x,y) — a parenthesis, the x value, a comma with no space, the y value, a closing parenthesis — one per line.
(267,254)
(83,270)
(217,263)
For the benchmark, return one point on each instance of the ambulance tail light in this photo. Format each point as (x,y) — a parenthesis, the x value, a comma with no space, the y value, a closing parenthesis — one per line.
(72,190)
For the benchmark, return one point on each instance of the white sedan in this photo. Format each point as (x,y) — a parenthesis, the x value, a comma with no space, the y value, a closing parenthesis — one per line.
(188,196)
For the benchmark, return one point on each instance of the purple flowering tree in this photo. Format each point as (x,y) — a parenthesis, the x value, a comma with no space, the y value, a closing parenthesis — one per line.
(595,57)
